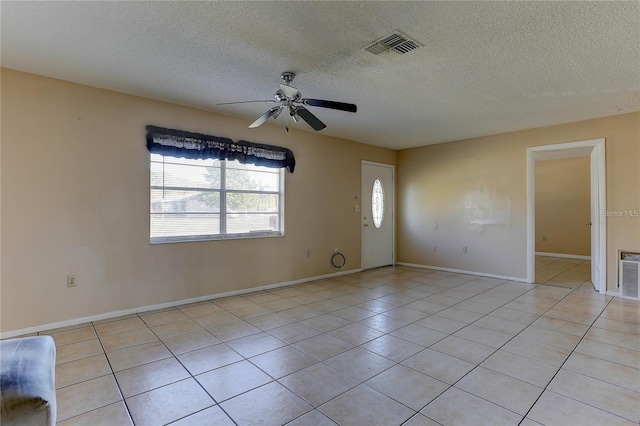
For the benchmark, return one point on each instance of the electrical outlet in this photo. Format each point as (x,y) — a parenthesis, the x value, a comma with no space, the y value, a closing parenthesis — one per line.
(72,281)
(464,249)
(356,208)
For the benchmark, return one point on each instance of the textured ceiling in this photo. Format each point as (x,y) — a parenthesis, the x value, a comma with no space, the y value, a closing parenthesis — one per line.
(485,68)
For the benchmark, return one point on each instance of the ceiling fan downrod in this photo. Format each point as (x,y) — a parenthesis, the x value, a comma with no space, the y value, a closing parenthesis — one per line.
(287,77)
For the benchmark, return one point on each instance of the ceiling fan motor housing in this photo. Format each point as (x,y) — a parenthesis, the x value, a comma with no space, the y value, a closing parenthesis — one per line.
(288,76)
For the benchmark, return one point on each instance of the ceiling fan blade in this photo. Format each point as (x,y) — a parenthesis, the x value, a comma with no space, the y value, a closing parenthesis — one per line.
(277,113)
(264,117)
(245,102)
(331,104)
(289,91)
(311,119)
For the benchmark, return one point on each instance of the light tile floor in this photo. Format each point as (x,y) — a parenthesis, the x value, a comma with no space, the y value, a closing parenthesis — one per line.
(390,346)
(561,272)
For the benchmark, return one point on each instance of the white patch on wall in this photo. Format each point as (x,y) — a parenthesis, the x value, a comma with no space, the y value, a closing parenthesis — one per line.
(487,202)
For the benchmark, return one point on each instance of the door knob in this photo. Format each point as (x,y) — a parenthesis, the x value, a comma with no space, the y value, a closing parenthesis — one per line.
(366,224)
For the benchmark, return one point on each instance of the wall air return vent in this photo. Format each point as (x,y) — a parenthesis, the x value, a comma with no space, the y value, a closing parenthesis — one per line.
(629,274)
(394,42)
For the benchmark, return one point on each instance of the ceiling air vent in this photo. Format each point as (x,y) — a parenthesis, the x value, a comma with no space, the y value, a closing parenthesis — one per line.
(396,42)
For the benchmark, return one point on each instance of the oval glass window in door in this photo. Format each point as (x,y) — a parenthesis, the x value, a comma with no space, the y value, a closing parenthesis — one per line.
(377,203)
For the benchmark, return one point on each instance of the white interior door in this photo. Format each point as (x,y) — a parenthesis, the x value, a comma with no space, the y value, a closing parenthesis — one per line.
(378,197)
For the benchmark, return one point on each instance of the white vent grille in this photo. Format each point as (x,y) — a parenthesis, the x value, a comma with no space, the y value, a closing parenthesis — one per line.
(395,42)
(630,275)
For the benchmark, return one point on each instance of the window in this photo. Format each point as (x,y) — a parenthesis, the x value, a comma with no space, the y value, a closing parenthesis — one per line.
(207,199)
(377,203)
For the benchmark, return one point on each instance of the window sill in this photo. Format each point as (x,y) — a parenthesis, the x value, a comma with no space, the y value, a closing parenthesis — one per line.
(201,238)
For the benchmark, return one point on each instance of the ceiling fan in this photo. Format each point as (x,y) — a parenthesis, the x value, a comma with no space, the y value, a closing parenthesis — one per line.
(291,99)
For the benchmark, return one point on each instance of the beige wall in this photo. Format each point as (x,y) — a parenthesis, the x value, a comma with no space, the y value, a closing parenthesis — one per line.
(476,192)
(75,200)
(563,206)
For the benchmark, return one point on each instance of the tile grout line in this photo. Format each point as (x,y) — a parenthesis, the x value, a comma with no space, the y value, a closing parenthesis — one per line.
(359,382)
(508,301)
(496,349)
(504,344)
(367,294)
(148,327)
(546,388)
(427,347)
(556,276)
(112,374)
(189,372)
(359,346)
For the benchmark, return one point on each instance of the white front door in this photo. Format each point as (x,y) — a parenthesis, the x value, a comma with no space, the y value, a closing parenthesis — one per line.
(377,214)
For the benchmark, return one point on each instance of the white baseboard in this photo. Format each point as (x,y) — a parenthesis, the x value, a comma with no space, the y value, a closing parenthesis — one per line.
(563,256)
(115,314)
(617,294)
(460,271)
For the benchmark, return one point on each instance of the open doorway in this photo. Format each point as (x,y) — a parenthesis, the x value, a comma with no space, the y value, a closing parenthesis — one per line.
(594,150)
(563,222)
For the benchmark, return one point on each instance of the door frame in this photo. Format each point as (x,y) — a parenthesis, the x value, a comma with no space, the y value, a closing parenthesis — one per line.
(595,149)
(393,211)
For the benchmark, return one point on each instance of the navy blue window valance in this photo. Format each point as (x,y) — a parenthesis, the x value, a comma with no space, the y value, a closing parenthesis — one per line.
(178,143)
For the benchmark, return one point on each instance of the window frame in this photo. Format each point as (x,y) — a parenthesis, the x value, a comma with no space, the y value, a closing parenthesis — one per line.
(223,213)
